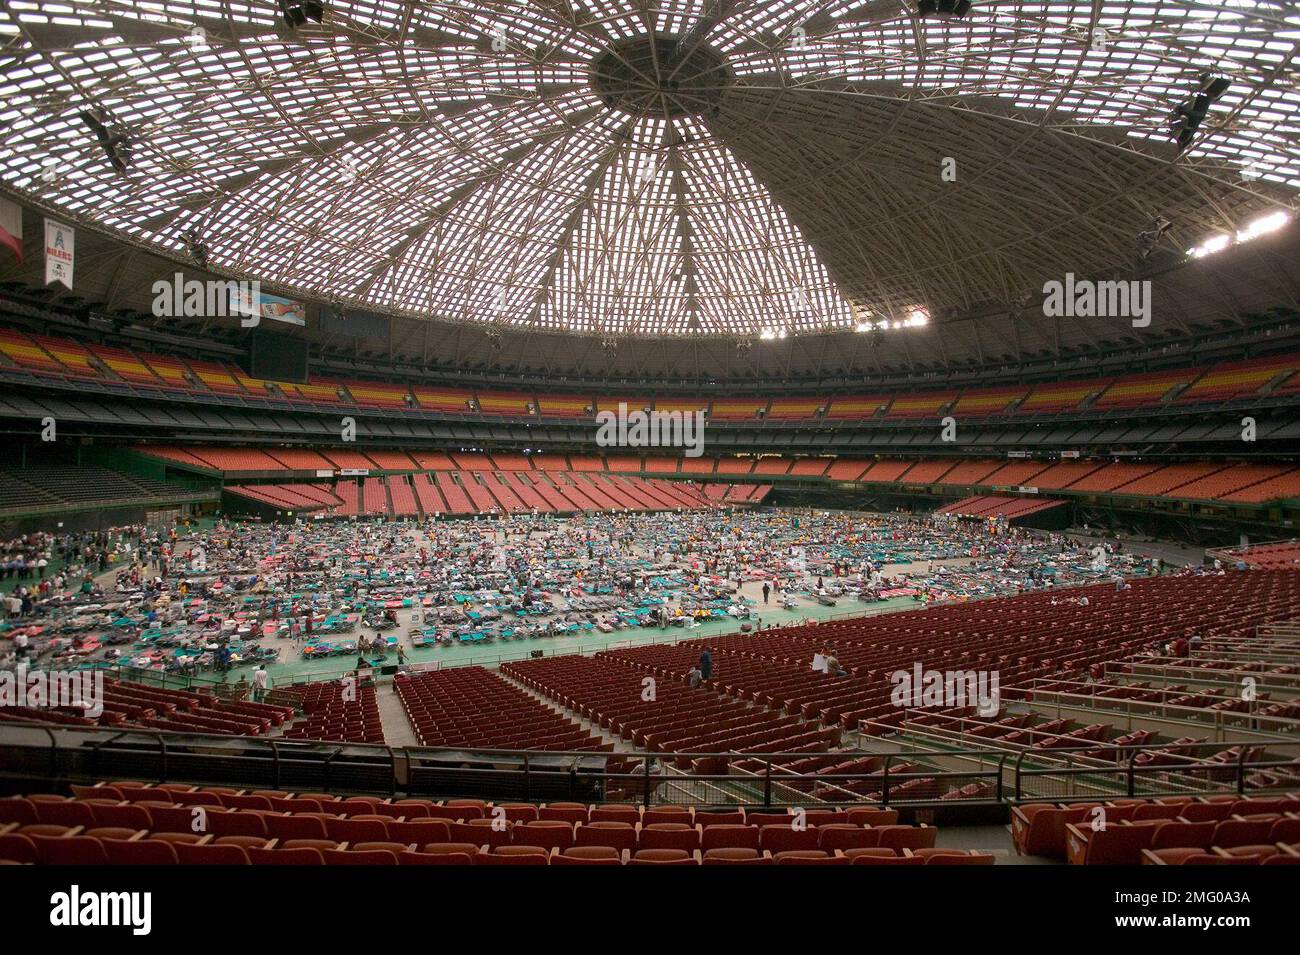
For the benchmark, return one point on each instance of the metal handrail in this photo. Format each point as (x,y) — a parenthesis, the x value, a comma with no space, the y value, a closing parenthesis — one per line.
(1176,778)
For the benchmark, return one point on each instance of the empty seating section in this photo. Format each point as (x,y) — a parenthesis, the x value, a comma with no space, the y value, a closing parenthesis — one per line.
(59,358)
(504,494)
(350,496)
(443,399)
(452,491)
(1281,487)
(970,472)
(1237,479)
(700,465)
(1168,480)
(1183,830)
(1249,484)
(505,403)
(1064,474)
(374,497)
(236,459)
(764,697)
(987,401)
(1240,379)
(682,405)
(660,464)
(474,707)
(845,470)
(674,718)
(1108,478)
(57,487)
(71,355)
(920,406)
(565,406)
(1060,396)
(993,506)
(866,406)
(926,472)
(391,460)
(432,461)
(428,496)
(550,462)
(1278,554)
(134,823)
(795,408)
(624,462)
(736,409)
(26,354)
(317,392)
(349,460)
(810,467)
(217,378)
(480,497)
(175,376)
(125,365)
(307,498)
(1138,390)
(735,465)
(511,462)
(886,471)
(340,711)
(1015,473)
(301,459)
(378,396)
(772,464)
(135,706)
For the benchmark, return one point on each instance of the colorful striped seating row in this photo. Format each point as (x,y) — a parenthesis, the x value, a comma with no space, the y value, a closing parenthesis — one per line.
(63,358)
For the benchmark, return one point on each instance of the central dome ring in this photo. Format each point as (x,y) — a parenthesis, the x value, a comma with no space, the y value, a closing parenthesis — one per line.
(658,76)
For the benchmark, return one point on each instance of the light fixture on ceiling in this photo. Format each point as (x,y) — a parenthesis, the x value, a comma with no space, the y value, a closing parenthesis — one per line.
(195,247)
(111,139)
(295,13)
(1187,116)
(1147,239)
(943,8)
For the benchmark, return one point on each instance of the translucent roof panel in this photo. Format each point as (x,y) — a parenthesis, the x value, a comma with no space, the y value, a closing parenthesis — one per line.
(683,167)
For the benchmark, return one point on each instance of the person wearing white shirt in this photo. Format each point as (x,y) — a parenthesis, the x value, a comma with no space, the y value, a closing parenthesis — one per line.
(260,681)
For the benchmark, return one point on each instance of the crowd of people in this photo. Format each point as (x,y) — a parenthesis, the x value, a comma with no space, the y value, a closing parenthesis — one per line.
(245,593)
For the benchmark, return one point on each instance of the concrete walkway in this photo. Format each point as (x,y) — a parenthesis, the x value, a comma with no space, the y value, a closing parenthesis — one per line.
(398,730)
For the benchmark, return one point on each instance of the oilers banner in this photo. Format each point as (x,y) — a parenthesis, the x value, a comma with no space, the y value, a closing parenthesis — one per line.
(60,244)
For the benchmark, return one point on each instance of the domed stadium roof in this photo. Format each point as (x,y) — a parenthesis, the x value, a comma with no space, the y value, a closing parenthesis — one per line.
(751,168)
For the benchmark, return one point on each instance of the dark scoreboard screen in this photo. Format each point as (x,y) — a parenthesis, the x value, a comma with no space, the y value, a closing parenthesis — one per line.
(277,357)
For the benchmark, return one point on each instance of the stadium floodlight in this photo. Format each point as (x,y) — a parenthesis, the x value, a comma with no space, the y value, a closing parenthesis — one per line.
(112,140)
(943,8)
(1188,115)
(1147,239)
(295,13)
(195,247)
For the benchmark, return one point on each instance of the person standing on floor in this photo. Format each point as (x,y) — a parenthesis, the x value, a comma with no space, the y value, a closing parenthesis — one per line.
(706,664)
(261,679)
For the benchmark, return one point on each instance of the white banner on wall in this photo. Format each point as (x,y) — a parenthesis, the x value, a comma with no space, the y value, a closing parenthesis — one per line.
(60,245)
